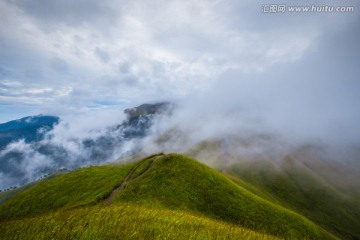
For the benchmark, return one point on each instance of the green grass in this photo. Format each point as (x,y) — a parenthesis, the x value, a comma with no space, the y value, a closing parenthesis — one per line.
(180,183)
(158,191)
(295,186)
(123,222)
(78,188)
(10,193)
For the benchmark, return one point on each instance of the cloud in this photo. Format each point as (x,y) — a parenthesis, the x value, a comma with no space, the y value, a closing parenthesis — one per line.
(142,51)
(307,95)
(231,68)
(90,138)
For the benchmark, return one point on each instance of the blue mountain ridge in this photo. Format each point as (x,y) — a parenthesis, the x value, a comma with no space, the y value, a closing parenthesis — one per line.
(31,128)
(16,163)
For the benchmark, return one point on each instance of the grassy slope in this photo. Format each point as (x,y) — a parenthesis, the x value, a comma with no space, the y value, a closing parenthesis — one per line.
(296,187)
(81,187)
(9,194)
(123,222)
(173,182)
(4,196)
(178,182)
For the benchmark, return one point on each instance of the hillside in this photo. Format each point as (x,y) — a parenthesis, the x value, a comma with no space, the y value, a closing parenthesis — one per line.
(124,222)
(161,185)
(296,186)
(305,180)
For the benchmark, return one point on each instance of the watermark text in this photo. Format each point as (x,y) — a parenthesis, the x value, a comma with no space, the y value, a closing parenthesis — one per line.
(281,8)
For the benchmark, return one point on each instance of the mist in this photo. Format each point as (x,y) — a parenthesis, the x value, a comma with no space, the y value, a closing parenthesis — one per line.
(276,112)
(93,138)
(248,84)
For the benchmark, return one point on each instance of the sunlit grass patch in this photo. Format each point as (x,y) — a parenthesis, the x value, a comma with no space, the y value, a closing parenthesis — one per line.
(123,222)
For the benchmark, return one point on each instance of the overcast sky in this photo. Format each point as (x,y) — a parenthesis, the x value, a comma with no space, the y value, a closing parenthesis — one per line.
(69,57)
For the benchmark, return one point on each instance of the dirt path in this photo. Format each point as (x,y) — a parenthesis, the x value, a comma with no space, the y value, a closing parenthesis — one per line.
(128,178)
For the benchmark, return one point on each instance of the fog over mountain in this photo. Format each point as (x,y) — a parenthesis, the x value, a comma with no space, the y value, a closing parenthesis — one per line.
(260,83)
(68,145)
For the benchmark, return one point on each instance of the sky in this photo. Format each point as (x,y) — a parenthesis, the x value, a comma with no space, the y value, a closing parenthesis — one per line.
(293,71)
(234,72)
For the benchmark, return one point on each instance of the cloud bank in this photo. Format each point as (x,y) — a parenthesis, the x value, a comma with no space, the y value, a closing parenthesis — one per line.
(232,69)
(64,56)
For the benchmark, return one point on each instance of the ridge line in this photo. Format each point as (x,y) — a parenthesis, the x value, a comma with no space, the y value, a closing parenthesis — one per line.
(128,177)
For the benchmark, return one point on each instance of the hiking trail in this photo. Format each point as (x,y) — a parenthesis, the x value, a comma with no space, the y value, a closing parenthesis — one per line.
(130,177)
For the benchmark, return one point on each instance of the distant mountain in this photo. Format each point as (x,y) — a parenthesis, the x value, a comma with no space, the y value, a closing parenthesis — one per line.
(139,119)
(36,158)
(32,128)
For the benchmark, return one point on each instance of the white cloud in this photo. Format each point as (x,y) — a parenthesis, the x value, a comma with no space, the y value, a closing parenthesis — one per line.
(75,56)
(163,46)
(235,71)
(9,83)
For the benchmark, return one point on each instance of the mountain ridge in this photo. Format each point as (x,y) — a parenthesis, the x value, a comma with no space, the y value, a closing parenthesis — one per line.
(172,182)
(51,156)
(30,128)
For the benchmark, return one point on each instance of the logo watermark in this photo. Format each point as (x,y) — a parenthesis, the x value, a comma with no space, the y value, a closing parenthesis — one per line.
(282,8)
